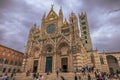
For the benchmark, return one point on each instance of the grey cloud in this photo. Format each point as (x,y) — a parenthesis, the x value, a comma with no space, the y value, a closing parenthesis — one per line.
(21,17)
(116,10)
(108,44)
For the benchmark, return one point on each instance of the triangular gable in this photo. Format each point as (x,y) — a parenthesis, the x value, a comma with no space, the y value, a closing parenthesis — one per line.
(49,41)
(52,15)
(62,39)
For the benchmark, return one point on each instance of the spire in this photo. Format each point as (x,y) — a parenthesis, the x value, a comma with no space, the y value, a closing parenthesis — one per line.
(52,6)
(65,22)
(60,12)
(35,26)
(72,17)
(44,16)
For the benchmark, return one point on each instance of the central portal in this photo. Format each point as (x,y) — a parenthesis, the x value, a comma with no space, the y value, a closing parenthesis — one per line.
(48,67)
(35,67)
(64,64)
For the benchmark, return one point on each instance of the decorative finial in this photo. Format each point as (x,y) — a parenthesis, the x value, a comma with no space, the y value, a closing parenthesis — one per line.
(35,25)
(96,49)
(52,6)
(60,11)
(61,7)
(65,19)
(44,15)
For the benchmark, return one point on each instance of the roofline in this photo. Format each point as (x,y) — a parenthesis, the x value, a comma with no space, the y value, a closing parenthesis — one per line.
(11,49)
(110,53)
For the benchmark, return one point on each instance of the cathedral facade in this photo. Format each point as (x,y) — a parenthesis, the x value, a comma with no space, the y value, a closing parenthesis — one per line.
(64,44)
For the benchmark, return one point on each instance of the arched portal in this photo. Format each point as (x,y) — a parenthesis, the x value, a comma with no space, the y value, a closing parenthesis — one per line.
(35,66)
(63,48)
(63,51)
(64,64)
(112,63)
(49,50)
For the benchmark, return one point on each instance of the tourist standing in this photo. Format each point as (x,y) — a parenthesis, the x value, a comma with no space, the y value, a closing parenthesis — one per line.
(5,77)
(1,78)
(34,75)
(41,77)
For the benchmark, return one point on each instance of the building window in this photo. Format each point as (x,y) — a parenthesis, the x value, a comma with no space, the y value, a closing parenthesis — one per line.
(65,31)
(85,32)
(14,70)
(6,61)
(101,60)
(86,42)
(1,61)
(11,62)
(85,37)
(83,23)
(9,70)
(83,17)
(20,64)
(15,63)
(84,27)
(4,70)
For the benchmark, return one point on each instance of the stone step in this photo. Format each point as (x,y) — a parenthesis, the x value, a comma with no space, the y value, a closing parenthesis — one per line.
(53,76)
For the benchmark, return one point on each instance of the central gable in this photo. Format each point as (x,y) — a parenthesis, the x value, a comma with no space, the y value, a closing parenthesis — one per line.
(52,15)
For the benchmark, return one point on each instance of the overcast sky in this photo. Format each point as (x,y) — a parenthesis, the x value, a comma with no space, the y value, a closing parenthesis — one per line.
(18,16)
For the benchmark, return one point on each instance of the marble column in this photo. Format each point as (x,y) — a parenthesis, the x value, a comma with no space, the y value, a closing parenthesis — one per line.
(70,63)
(54,63)
(39,65)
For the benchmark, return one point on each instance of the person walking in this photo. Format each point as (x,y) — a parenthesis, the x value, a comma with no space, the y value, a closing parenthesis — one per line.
(12,76)
(75,77)
(79,77)
(89,77)
(57,72)
(62,78)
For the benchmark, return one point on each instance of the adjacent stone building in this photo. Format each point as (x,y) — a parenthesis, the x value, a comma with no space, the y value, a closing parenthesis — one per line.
(10,59)
(65,44)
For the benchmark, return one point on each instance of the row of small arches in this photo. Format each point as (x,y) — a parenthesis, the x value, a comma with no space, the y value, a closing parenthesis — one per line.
(2,61)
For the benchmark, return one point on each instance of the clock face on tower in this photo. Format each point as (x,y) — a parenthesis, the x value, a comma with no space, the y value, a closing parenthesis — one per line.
(50,29)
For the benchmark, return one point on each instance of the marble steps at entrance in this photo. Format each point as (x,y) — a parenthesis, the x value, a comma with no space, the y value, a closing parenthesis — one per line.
(22,76)
(67,76)
(53,76)
(70,76)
